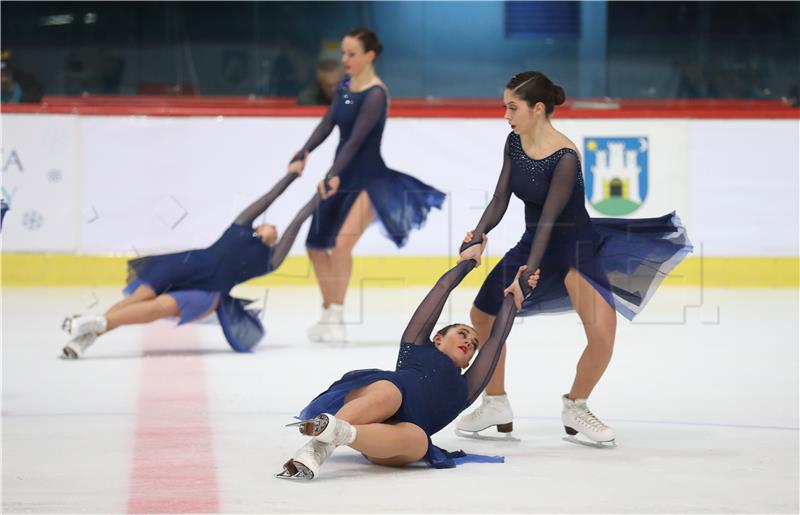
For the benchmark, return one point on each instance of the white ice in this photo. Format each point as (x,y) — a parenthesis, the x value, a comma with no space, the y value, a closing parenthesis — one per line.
(702,392)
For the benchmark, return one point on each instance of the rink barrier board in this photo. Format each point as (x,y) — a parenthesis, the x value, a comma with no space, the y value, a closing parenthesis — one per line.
(43,270)
(243,106)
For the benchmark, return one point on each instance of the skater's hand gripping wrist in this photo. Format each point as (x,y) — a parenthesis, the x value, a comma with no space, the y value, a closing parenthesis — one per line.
(474,251)
(298,164)
(515,289)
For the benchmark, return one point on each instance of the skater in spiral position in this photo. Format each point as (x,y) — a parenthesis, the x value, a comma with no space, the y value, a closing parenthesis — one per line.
(597,267)
(359,188)
(193,284)
(389,416)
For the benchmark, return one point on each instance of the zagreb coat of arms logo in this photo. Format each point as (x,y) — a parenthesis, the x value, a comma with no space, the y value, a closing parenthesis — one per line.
(616,174)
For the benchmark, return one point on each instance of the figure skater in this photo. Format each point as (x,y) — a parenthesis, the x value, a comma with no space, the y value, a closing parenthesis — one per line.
(359,188)
(390,416)
(193,284)
(594,266)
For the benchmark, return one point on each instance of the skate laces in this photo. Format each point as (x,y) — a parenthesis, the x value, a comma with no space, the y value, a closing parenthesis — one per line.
(589,418)
(486,406)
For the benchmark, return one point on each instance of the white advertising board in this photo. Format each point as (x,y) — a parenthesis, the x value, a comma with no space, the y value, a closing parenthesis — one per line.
(153,184)
(42,177)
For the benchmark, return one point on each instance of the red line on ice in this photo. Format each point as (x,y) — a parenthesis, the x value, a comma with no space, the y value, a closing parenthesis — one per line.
(173,461)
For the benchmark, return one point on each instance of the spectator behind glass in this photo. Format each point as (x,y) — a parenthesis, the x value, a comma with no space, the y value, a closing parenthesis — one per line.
(17,85)
(321,91)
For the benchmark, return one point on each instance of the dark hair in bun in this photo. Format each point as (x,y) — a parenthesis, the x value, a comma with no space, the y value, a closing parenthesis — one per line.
(369,40)
(535,87)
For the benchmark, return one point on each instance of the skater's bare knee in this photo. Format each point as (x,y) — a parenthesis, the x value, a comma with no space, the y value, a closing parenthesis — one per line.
(166,306)
(143,292)
(414,444)
(387,394)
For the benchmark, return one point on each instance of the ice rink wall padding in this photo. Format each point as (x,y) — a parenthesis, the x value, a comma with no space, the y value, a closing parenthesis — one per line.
(91,182)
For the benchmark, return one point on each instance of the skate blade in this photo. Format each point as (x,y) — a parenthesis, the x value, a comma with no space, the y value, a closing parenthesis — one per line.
(68,353)
(590,443)
(476,435)
(295,470)
(306,427)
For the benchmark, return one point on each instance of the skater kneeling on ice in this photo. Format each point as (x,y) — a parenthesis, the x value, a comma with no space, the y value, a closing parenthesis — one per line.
(193,284)
(389,416)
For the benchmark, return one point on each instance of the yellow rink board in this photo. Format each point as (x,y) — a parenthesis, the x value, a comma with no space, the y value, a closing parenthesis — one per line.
(28,270)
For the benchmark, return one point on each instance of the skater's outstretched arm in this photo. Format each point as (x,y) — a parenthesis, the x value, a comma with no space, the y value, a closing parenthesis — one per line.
(368,116)
(497,207)
(482,368)
(255,209)
(320,134)
(559,193)
(281,249)
(421,325)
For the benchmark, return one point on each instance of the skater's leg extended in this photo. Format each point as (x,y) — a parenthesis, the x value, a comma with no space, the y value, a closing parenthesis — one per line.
(142,293)
(143,312)
(600,325)
(78,325)
(358,219)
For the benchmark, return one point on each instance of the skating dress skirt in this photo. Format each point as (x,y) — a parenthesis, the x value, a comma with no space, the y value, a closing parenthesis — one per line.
(197,278)
(625,260)
(400,202)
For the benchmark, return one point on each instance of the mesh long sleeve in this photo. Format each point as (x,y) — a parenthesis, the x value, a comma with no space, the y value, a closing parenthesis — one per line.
(255,209)
(481,370)
(424,319)
(497,206)
(320,134)
(370,114)
(281,249)
(559,193)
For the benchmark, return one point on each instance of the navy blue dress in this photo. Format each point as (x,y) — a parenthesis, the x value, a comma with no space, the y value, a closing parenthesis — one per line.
(623,259)
(433,388)
(197,278)
(3,210)
(400,202)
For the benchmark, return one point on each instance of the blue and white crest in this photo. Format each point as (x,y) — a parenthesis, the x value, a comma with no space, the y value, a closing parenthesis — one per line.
(616,174)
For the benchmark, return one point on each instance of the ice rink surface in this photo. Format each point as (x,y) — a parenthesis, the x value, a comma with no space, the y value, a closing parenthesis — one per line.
(702,392)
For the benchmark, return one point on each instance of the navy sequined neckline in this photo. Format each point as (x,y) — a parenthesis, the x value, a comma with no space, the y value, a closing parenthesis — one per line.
(346,84)
(558,152)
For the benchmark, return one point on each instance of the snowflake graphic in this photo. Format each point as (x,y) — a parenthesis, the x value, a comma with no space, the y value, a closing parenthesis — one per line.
(55,175)
(32,220)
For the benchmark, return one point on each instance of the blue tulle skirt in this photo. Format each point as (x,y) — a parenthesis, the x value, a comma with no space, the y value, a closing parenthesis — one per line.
(240,323)
(625,260)
(401,204)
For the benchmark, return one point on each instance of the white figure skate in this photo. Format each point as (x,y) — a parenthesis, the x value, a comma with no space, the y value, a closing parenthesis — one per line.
(327,429)
(495,410)
(307,461)
(577,419)
(78,325)
(77,346)
(330,327)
